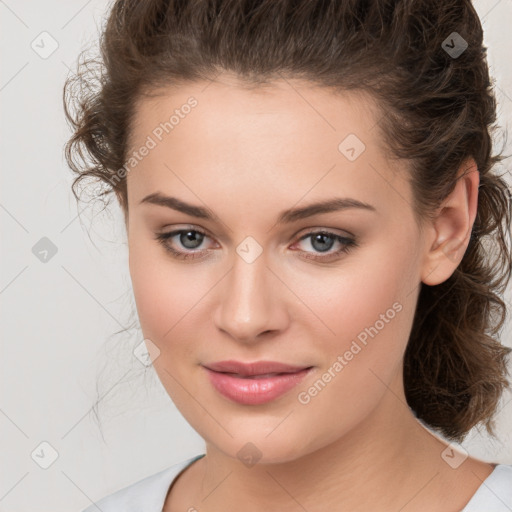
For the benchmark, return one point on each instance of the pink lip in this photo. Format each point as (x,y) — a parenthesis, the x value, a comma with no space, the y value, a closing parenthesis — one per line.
(244,382)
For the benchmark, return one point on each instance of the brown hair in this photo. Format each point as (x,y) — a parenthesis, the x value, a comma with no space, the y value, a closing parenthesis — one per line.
(437,110)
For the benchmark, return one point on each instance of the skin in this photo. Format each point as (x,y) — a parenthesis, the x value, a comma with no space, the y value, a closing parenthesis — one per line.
(248,154)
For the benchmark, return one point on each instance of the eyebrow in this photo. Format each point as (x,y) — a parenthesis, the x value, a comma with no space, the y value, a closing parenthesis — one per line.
(285,217)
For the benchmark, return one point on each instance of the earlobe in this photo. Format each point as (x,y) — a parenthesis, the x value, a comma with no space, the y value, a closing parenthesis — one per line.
(451,229)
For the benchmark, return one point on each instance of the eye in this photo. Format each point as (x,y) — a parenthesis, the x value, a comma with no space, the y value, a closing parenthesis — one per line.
(322,241)
(191,240)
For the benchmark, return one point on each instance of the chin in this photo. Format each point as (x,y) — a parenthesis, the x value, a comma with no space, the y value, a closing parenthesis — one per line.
(255,443)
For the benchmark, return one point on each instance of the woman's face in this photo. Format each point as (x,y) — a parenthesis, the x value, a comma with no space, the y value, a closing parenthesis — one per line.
(255,287)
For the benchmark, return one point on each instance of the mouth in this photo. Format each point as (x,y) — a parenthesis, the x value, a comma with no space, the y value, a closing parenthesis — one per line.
(254,369)
(248,387)
(263,376)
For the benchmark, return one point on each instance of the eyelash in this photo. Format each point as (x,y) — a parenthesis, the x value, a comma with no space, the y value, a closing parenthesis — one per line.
(347,245)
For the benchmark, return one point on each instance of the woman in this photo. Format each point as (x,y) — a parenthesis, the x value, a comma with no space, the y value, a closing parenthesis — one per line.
(307,189)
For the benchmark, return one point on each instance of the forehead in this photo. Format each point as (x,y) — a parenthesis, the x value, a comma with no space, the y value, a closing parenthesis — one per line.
(283,138)
(231,101)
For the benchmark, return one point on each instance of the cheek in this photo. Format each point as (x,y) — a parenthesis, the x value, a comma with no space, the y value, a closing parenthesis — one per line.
(370,313)
(163,293)
(371,317)
(168,302)
(369,294)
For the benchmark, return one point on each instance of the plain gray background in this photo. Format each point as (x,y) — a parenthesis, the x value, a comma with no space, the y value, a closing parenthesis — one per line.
(59,316)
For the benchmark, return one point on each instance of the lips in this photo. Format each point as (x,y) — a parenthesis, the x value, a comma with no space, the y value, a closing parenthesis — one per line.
(254,383)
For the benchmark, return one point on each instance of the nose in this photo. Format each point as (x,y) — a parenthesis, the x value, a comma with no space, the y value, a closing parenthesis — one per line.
(250,305)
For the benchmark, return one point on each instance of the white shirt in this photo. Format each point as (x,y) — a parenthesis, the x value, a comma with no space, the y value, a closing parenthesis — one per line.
(148,495)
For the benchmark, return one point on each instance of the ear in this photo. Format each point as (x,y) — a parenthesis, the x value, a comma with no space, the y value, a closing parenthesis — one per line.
(449,233)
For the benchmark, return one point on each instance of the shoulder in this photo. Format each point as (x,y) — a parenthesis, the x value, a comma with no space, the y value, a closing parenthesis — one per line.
(495,493)
(146,495)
